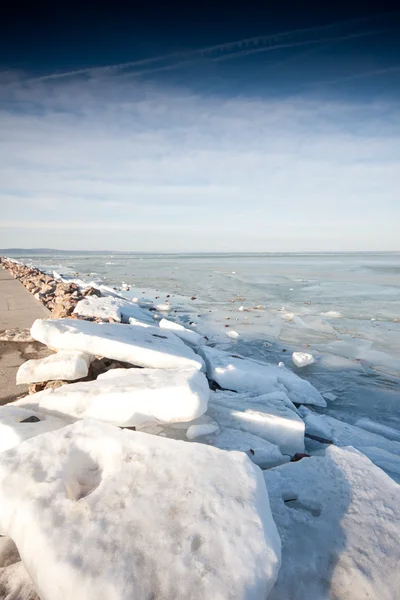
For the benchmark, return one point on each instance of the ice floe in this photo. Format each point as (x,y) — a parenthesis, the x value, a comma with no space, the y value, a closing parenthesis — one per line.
(129,397)
(65,365)
(186,335)
(233,372)
(174,520)
(338,518)
(138,344)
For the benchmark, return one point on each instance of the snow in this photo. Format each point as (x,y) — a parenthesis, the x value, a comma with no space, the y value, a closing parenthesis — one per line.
(13,431)
(186,335)
(264,416)
(129,397)
(262,453)
(302,359)
(174,520)
(338,517)
(232,334)
(65,365)
(138,344)
(111,308)
(373,427)
(245,375)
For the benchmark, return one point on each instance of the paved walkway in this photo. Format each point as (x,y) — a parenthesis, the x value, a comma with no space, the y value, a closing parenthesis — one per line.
(18,309)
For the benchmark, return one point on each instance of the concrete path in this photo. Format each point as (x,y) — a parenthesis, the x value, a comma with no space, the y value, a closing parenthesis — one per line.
(18,309)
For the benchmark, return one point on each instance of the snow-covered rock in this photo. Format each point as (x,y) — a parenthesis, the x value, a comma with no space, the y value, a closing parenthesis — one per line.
(338,517)
(187,335)
(13,429)
(107,307)
(263,416)
(260,451)
(141,345)
(240,374)
(129,397)
(302,359)
(65,365)
(174,520)
(373,427)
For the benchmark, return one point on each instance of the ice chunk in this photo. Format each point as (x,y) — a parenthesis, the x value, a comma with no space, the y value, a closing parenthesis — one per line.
(331,314)
(187,335)
(338,517)
(173,520)
(262,453)
(129,397)
(65,365)
(18,424)
(107,307)
(163,307)
(316,424)
(141,345)
(267,418)
(232,334)
(373,427)
(302,359)
(329,396)
(202,426)
(234,372)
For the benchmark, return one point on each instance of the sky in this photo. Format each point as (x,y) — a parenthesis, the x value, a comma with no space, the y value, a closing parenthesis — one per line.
(201,127)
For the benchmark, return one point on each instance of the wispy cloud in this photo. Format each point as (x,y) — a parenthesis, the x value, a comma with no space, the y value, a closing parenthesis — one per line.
(120,163)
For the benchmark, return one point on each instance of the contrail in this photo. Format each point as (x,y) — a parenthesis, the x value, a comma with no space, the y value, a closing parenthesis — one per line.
(359,75)
(244,45)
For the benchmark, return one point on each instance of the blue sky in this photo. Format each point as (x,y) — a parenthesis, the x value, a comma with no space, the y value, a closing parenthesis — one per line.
(284,142)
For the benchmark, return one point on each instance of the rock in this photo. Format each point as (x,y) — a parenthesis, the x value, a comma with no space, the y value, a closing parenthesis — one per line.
(16,335)
(91,291)
(45,385)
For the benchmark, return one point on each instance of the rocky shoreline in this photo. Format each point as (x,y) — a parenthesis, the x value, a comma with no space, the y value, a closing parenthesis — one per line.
(181,509)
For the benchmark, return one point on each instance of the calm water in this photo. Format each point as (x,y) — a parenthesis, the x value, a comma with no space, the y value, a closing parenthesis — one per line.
(356,344)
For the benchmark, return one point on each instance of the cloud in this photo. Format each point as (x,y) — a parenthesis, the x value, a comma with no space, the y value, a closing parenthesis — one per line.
(124,164)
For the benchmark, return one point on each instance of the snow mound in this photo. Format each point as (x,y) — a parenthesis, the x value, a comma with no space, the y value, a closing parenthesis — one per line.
(264,416)
(107,307)
(139,344)
(338,517)
(85,529)
(129,397)
(302,359)
(240,374)
(186,335)
(66,365)
(13,430)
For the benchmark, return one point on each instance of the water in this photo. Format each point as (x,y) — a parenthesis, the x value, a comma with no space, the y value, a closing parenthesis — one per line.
(356,345)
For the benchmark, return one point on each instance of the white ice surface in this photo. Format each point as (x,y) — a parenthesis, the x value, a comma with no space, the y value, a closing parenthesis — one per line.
(338,517)
(385,453)
(269,419)
(173,521)
(302,359)
(13,432)
(202,426)
(129,397)
(245,375)
(138,344)
(107,307)
(65,365)
(373,427)
(260,451)
(187,335)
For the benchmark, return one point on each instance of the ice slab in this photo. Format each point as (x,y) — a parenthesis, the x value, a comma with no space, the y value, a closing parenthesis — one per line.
(129,397)
(302,359)
(107,307)
(13,429)
(186,335)
(267,418)
(65,365)
(173,520)
(234,372)
(138,344)
(338,517)
(373,427)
